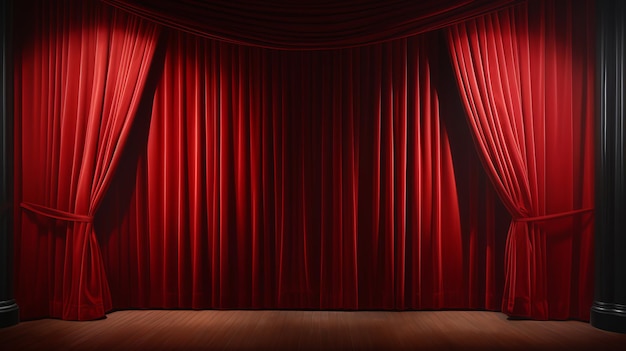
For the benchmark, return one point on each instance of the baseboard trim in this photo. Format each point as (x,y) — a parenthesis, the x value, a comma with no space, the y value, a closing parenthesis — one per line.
(608,316)
(9,313)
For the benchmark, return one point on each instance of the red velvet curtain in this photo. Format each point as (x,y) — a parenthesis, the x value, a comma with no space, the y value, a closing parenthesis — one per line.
(309,179)
(308,24)
(527,76)
(334,179)
(80,72)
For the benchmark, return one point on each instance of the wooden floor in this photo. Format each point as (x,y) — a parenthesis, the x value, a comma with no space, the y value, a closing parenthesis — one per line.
(307,330)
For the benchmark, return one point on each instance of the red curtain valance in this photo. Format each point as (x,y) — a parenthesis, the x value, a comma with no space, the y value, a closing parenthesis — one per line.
(309,24)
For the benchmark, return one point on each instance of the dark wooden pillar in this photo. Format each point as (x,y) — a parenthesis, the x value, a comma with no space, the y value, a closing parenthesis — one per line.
(9,312)
(609,307)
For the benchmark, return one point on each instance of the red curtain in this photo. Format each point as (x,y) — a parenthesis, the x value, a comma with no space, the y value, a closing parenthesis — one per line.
(526,76)
(309,179)
(308,24)
(80,73)
(333,179)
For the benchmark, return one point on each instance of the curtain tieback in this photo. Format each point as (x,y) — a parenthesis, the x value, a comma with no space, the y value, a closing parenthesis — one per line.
(56,214)
(553,216)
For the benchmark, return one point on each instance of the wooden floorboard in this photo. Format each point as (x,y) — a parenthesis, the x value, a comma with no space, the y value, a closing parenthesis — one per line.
(307,330)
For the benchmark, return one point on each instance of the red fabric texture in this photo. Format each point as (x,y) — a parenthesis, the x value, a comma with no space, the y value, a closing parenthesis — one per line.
(527,81)
(308,24)
(314,179)
(79,80)
(309,180)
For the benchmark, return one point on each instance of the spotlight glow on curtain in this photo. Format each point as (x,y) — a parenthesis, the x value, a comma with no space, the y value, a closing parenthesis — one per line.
(79,80)
(527,80)
(316,180)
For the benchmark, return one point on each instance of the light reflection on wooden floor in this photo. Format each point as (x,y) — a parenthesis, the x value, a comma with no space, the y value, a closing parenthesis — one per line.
(307,330)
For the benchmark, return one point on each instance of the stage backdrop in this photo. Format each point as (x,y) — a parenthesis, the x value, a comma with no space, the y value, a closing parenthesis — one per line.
(164,169)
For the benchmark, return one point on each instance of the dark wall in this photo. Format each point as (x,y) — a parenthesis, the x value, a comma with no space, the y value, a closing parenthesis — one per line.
(609,307)
(8,308)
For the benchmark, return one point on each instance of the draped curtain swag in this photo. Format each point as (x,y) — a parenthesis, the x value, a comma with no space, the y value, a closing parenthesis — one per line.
(308,24)
(336,174)
(526,76)
(78,87)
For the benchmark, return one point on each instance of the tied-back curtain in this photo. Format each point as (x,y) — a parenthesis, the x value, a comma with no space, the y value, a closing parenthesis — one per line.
(526,77)
(80,74)
(311,179)
(308,24)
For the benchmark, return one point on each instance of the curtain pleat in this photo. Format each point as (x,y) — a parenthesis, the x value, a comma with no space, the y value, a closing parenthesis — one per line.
(80,75)
(309,180)
(526,79)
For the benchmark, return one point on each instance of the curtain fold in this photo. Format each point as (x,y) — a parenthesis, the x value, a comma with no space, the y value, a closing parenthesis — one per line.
(526,76)
(316,179)
(299,25)
(309,180)
(80,76)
